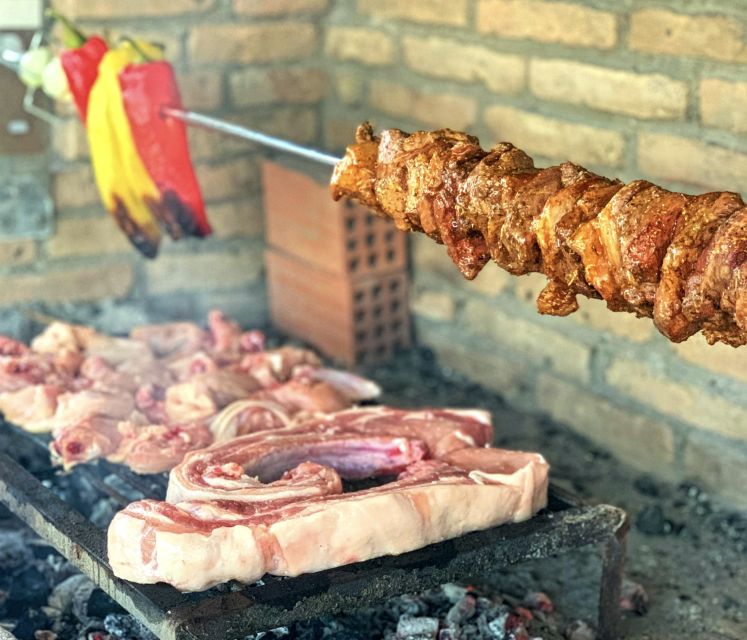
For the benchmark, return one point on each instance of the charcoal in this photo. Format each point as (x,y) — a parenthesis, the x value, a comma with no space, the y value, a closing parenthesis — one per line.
(102,513)
(28,589)
(449,633)
(14,551)
(633,597)
(411,605)
(45,634)
(462,611)
(120,485)
(64,595)
(454,592)
(28,623)
(417,628)
(538,601)
(647,486)
(100,604)
(579,630)
(652,522)
(122,626)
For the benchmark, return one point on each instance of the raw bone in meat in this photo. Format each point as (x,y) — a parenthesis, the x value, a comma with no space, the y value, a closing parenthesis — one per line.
(221,523)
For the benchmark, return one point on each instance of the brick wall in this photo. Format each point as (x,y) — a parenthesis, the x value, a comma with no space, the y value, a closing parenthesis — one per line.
(252,61)
(627,91)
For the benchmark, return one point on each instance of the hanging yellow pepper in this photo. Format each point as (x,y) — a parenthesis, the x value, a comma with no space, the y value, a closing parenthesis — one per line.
(126,188)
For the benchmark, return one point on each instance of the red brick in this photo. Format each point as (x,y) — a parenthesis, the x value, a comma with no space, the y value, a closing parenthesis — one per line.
(450,12)
(17,252)
(642,442)
(203,271)
(642,95)
(360,44)
(722,104)
(340,237)
(535,343)
(266,86)
(443,58)
(201,90)
(75,187)
(556,139)
(560,22)
(433,109)
(278,7)
(696,162)
(131,8)
(717,465)
(353,319)
(231,178)
(86,237)
(688,403)
(248,43)
(94,282)
(240,218)
(661,31)
(69,139)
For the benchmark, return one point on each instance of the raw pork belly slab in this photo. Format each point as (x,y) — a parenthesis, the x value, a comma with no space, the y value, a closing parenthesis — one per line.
(234,512)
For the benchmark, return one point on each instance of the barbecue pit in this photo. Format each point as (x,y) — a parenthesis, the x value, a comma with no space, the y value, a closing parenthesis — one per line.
(239,610)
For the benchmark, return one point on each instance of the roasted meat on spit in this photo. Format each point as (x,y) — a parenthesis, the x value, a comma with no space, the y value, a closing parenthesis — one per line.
(679,259)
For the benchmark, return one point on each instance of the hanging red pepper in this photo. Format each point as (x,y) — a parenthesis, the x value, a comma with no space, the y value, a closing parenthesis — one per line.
(80,61)
(162,144)
(81,67)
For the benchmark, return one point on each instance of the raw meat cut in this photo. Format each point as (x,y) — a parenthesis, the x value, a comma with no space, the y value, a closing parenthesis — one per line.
(272,502)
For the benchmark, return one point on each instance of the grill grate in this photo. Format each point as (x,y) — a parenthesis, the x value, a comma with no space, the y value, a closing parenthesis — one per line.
(234,610)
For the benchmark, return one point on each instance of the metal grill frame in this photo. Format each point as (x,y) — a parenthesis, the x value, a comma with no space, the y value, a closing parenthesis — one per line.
(243,609)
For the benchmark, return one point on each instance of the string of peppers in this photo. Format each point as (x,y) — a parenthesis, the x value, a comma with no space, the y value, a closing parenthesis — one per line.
(141,159)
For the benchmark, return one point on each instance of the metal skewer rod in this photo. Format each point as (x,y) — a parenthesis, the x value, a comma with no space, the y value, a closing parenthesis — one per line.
(214,124)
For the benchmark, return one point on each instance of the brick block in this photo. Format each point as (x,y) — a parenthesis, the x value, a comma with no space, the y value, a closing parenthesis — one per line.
(295,123)
(434,305)
(531,341)
(94,282)
(434,109)
(69,139)
(341,237)
(202,90)
(239,218)
(641,95)
(227,179)
(722,104)
(360,44)
(556,139)
(87,237)
(595,314)
(349,86)
(130,9)
(278,7)
(249,43)
(640,441)
(443,58)
(661,31)
(720,466)
(693,161)
(719,358)
(266,86)
(688,403)
(558,22)
(509,378)
(450,12)
(75,187)
(353,319)
(17,252)
(204,271)
(338,133)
